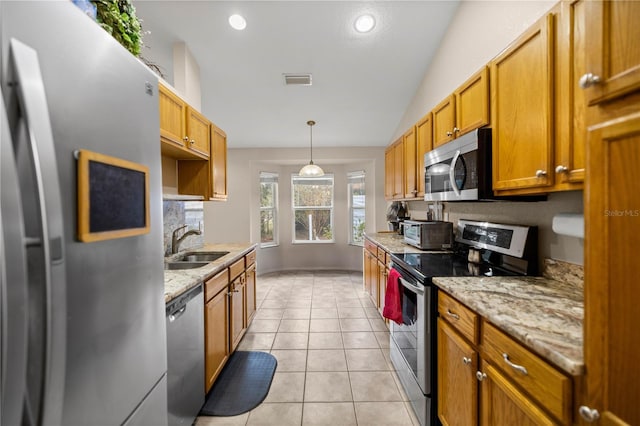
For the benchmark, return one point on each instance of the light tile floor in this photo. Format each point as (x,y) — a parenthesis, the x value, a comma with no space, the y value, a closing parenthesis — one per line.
(332,348)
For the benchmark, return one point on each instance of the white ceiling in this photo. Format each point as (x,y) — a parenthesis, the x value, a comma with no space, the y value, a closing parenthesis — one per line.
(362,83)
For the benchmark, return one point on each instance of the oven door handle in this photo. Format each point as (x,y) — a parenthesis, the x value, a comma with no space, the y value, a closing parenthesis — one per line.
(452,173)
(411,287)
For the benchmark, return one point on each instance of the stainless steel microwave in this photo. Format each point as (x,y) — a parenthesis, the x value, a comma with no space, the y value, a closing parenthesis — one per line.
(461,169)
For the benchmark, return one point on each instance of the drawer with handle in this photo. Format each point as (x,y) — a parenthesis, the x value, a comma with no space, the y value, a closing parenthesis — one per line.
(548,386)
(459,316)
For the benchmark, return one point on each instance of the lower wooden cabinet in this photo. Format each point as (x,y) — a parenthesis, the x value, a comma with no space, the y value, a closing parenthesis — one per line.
(375,272)
(497,381)
(230,305)
(457,383)
(216,328)
(238,322)
(383,273)
(251,293)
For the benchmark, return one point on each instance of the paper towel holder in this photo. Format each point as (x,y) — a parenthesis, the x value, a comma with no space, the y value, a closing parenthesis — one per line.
(569,224)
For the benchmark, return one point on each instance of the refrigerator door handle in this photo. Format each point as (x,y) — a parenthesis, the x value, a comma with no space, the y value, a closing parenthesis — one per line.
(13,284)
(27,81)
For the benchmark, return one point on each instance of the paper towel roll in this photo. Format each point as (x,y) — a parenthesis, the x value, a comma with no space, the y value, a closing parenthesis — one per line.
(570,224)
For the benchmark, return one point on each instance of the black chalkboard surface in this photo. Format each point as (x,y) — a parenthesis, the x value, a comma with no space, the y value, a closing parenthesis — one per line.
(113,197)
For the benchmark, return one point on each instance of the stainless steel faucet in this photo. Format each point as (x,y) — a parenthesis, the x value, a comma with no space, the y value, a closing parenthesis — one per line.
(175,241)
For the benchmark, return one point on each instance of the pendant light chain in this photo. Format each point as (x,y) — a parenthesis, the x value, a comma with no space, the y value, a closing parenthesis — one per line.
(311,123)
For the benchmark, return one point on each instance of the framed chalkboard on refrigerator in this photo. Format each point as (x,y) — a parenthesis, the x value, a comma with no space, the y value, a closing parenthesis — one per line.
(113,197)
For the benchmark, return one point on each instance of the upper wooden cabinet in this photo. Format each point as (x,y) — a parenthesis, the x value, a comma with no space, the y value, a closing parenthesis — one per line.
(424,144)
(198,132)
(394,171)
(184,132)
(613,59)
(570,101)
(522,111)
(410,171)
(218,164)
(464,110)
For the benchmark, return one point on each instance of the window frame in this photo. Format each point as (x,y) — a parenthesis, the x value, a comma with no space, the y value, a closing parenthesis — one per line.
(350,176)
(274,208)
(331,209)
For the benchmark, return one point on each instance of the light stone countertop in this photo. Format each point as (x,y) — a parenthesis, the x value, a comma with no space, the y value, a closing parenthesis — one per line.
(544,315)
(177,282)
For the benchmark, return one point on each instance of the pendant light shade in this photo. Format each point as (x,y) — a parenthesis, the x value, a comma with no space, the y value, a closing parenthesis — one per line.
(311,170)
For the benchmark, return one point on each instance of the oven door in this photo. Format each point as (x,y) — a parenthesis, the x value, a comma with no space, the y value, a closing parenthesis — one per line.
(410,337)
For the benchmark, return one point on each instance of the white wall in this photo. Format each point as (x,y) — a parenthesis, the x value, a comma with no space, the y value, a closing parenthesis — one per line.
(237,220)
(477,33)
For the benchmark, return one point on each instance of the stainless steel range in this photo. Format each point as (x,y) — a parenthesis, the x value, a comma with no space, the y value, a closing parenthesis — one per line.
(482,249)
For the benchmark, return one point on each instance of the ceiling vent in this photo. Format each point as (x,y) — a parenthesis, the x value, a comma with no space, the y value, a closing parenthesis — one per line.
(297,79)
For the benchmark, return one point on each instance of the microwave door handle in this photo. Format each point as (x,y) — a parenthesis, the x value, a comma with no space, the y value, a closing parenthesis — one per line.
(29,87)
(411,287)
(452,173)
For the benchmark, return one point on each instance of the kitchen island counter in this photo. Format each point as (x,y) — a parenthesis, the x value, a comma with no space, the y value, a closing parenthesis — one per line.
(177,282)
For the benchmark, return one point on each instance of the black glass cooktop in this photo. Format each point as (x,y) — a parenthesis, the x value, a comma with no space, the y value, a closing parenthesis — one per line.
(430,265)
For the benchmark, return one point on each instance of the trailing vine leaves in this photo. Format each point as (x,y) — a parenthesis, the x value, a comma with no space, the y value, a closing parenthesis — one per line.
(118,18)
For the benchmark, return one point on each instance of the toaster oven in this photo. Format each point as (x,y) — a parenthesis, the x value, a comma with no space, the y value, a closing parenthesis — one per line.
(428,235)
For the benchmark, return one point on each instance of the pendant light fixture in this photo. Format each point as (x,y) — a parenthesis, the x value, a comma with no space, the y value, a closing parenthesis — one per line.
(311,170)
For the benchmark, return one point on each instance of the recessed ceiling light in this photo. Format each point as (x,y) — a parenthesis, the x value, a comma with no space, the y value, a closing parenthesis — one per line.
(237,22)
(364,23)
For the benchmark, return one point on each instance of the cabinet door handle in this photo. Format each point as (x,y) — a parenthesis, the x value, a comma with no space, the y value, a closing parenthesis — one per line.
(589,415)
(588,80)
(466,360)
(516,367)
(192,141)
(541,173)
(449,134)
(452,315)
(481,376)
(561,169)
(456,130)
(186,139)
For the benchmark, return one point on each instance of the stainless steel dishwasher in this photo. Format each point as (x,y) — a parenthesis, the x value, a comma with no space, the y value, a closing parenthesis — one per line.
(185,356)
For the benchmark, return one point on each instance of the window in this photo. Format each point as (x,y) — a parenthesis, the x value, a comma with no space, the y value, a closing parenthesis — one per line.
(355,189)
(312,201)
(268,209)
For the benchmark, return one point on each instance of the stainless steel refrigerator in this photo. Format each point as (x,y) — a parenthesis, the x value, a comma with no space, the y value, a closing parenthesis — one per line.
(82,324)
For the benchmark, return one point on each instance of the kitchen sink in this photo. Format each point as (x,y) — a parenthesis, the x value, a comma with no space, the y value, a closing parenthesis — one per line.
(203,256)
(184,265)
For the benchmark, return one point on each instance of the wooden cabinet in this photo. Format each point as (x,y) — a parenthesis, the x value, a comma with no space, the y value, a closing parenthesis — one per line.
(375,273)
(216,330)
(570,101)
(184,132)
(424,144)
(410,163)
(230,305)
(383,274)
(612,215)
(522,111)
(251,292)
(457,383)
(487,378)
(218,164)
(464,110)
(613,59)
(612,235)
(394,171)
(198,132)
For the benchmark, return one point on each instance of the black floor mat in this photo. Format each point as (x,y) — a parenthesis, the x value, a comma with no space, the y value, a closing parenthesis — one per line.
(243,384)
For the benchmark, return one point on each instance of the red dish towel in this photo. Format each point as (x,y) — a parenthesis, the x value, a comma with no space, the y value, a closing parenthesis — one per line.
(393,298)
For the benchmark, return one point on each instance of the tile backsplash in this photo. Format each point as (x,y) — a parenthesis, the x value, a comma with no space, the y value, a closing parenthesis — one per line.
(178,213)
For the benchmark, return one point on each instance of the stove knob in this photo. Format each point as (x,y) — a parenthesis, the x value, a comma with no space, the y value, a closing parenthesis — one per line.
(489,272)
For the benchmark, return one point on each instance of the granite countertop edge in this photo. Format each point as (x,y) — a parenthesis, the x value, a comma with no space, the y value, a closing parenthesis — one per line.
(176,282)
